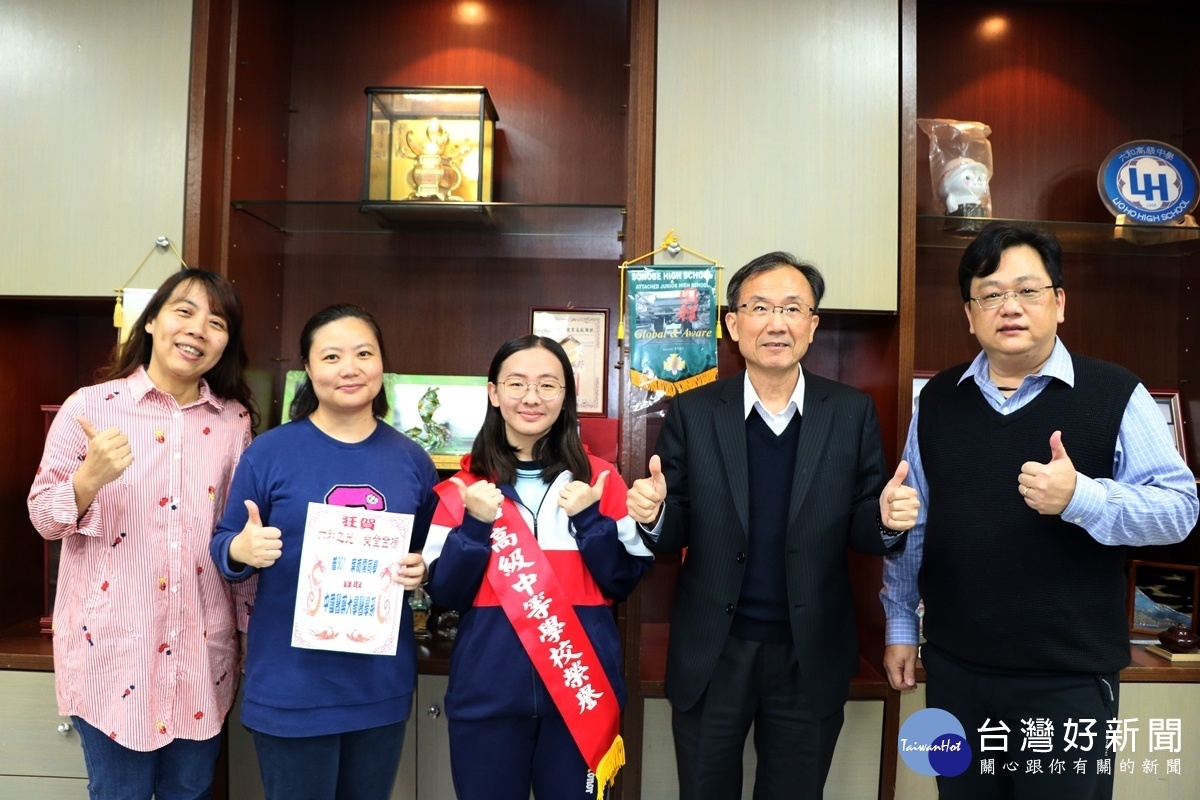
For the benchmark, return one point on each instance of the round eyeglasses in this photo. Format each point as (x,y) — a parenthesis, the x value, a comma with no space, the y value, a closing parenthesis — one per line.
(791,311)
(547,390)
(1026,295)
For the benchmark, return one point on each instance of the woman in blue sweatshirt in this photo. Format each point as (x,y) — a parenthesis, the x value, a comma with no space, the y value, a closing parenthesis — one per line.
(328,723)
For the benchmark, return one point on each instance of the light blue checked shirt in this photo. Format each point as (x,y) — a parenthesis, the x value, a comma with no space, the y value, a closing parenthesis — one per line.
(1151,498)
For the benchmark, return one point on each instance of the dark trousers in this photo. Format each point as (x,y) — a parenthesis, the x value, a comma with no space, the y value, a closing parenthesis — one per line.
(759,683)
(1036,766)
(356,765)
(504,758)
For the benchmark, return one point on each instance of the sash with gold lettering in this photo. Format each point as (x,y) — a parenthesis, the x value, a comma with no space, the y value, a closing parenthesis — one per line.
(522,579)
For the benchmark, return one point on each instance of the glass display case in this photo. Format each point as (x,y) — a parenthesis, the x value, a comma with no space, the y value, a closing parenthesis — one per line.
(430,143)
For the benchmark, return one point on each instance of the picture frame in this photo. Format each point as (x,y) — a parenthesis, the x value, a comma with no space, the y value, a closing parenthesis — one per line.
(583,333)
(1170,402)
(442,413)
(1162,594)
(920,378)
(294,377)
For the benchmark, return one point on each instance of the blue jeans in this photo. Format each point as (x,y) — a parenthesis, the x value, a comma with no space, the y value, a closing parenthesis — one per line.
(356,765)
(181,770)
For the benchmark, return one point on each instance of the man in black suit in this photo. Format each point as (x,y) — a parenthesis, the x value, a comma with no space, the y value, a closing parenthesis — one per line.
(766,478)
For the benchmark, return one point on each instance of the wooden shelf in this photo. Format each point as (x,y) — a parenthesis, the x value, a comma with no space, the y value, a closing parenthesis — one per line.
(23,647)
(1145,668)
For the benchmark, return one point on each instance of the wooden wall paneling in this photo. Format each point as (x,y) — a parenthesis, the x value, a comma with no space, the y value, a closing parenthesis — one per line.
(1189,289)
(904,334)
(1057,103)
(907,303)
(261,100)
(639,235)
(639,224)
(556,72)
(1125,310)
(254,164)
(205,210)
(1108,299)
(70,340)
(444,316)
(1189,354)
(256,266)
(640,131)
(1056,109)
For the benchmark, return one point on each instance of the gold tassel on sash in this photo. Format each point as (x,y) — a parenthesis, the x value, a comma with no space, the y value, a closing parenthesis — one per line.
(606,771)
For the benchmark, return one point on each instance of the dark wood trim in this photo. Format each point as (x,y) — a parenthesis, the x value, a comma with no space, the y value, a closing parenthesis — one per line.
(906,326)
(204,211)
(639,236)
(908,220)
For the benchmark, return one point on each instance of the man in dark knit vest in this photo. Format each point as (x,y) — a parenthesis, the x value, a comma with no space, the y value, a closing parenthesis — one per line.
(1035,469)
(766,478)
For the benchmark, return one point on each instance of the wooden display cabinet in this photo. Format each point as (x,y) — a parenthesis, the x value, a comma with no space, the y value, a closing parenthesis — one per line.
(1042,76)
(1061,87)
(1048,79)
(275,199)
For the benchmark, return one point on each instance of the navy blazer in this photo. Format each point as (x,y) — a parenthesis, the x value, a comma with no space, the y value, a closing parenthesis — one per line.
(840,472)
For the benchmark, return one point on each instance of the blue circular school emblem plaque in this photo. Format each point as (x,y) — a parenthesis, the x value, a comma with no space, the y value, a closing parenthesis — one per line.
(1150,182)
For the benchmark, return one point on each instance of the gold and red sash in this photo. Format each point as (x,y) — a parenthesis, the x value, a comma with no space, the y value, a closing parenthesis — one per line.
(522,579)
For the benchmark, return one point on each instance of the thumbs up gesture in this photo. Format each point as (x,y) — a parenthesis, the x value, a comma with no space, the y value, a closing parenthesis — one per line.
(482,499)
(645,497)
(257,545)
(577,495)
(108,455)
(1048,488)
(898,504)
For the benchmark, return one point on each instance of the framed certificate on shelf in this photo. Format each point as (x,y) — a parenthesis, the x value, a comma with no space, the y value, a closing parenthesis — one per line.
(583,333)
(920,378)
(1171,406)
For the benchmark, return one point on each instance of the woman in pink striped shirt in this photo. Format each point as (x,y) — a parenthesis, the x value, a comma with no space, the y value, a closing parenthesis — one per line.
(133,480)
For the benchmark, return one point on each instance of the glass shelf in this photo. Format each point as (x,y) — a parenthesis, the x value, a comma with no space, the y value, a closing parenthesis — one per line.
(1146,241)
(495,229)
(504,219)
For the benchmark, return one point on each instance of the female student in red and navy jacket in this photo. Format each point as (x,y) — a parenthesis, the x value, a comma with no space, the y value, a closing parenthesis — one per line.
(531,543)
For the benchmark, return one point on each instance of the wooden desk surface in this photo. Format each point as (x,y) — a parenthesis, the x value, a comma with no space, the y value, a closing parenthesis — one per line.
(23,647)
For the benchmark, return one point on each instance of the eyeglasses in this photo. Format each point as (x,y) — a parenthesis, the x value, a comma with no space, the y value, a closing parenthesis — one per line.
(547,390)
(790,312)
(1026,295)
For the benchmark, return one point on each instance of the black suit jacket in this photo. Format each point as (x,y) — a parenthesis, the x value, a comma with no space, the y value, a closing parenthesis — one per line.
(839,475)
